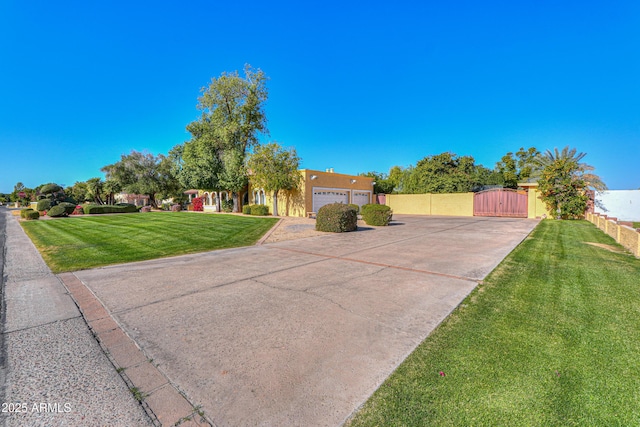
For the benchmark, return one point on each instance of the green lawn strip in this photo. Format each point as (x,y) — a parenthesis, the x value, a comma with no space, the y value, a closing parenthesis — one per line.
(636,225)
(551,338)
(71,244)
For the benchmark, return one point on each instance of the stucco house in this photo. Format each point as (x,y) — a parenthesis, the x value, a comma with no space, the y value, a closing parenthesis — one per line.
(317,189)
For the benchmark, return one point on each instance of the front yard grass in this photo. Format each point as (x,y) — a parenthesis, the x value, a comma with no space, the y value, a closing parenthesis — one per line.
(551,338)
(71,244)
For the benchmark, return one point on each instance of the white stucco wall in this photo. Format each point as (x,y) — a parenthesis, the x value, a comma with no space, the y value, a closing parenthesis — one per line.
(621,204)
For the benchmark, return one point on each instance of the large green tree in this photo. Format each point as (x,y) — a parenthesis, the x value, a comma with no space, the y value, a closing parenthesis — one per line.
(441,173)
(274,168)
(517,167)
(564,181)
(142,173)
(231,121)
(382,183)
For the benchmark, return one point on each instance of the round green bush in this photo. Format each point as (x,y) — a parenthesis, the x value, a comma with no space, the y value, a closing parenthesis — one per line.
(377,215)
(23,212)
(68,207)
(32,215)
(246,209)
(336,218)
(57,211)
(43,205)
(356,207)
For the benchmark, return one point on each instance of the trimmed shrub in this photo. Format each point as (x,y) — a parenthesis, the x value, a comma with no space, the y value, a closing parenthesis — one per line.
(227,205)
(68,207)
(43,205)
(356,207)
(377,215)
(57,211)
(262,210)
(246,209)
(336,218)
(23,212)
(31,214)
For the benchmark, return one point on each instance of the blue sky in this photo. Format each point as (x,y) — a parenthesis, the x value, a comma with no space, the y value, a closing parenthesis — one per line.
(356,86)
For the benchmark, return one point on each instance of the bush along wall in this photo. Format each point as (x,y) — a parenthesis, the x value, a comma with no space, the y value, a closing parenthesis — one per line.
(261,210)
(377,215)
(336,218)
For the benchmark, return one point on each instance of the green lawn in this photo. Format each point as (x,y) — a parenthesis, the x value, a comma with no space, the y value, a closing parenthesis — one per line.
(636,225)
(77,243)
(552,338)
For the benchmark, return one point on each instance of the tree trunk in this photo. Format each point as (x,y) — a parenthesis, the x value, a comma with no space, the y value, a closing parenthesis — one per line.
(234,196)
(275,203)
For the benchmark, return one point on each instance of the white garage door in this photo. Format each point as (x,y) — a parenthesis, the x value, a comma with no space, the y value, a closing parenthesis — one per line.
(361,197)
(322,196)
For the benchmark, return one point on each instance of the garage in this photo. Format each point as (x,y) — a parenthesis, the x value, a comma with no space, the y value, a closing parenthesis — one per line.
(326,196)
(361,197)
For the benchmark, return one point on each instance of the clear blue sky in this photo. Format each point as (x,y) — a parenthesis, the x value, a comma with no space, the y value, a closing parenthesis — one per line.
(357,86)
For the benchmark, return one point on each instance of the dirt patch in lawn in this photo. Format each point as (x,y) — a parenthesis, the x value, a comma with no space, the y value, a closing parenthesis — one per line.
(610,248)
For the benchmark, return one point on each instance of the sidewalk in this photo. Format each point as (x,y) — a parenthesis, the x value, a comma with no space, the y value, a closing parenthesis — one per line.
(52,370)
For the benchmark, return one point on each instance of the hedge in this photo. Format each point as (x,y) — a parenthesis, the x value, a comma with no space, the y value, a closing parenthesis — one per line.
(31,214)
(336,218)
(23,212)
(377,215)
(261,210)
(105,209)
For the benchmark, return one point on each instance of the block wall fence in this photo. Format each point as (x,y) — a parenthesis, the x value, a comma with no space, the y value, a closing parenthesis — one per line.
(622,232)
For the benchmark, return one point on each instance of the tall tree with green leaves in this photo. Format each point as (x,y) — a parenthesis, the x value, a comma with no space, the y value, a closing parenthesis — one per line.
(441,173)
(564,181)
(231,121)
(274,168)
(142,173)
(517,167)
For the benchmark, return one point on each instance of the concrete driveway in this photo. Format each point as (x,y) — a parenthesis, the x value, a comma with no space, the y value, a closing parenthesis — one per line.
(300,332)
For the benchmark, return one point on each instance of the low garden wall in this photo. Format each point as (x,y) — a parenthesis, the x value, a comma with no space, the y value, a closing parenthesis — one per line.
(622,233)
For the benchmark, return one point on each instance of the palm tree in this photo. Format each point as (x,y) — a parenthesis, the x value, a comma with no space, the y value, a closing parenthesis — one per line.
(563,181)
(581,170)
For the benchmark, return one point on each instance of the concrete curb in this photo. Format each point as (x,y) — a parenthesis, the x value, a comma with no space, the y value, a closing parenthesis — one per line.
(161,399)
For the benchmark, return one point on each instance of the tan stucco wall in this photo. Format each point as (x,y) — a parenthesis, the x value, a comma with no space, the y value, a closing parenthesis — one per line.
(459,204)
(536,208)
(412,204)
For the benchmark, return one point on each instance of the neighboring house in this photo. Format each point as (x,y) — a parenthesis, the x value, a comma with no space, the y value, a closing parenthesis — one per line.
(134,199)
(316,190)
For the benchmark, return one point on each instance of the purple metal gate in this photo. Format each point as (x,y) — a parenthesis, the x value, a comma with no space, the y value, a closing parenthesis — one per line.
(500,202)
